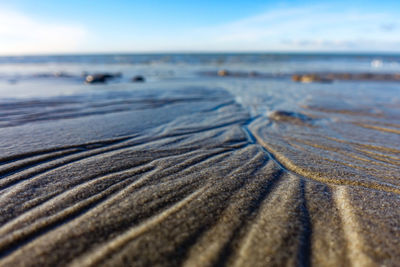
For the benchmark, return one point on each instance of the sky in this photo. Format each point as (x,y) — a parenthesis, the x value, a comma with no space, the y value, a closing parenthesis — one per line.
(131,26)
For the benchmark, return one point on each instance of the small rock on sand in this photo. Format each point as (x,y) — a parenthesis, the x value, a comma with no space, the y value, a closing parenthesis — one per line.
(223,73)
(309,78)
(290,117)
(138,78)
(101,77)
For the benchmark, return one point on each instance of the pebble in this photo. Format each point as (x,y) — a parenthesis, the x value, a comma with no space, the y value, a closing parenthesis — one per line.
(223,73)
(138,78)
(101,77)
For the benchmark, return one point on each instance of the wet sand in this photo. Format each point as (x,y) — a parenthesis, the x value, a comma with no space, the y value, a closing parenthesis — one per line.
(189,177)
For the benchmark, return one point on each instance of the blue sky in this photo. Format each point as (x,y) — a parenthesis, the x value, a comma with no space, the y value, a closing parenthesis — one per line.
(54,27)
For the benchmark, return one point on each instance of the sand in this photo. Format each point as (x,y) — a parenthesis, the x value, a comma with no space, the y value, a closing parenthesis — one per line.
(190,178)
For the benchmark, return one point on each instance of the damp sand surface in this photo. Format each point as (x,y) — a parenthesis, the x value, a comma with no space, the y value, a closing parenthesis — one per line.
(217,172)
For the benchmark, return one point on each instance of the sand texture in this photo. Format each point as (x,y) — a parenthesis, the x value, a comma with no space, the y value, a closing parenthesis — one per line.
(189,178)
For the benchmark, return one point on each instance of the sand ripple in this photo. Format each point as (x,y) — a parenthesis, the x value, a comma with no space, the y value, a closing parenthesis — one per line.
(189,178)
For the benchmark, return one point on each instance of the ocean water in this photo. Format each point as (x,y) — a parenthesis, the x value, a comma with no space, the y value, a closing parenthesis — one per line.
(32,77)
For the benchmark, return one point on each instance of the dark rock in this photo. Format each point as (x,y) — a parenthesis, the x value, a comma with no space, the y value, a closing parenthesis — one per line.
(101,77)
(138,78)
(96,78)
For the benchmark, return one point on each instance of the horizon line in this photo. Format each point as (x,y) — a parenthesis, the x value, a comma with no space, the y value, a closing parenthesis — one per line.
(201,52)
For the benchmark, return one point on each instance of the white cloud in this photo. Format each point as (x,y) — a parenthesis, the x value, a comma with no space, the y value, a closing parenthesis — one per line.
(21,34)
(306,28)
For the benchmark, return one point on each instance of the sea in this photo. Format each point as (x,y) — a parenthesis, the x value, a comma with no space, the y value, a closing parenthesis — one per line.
(36,77)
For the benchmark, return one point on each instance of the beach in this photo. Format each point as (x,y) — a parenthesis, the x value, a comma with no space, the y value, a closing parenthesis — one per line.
(194,169)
